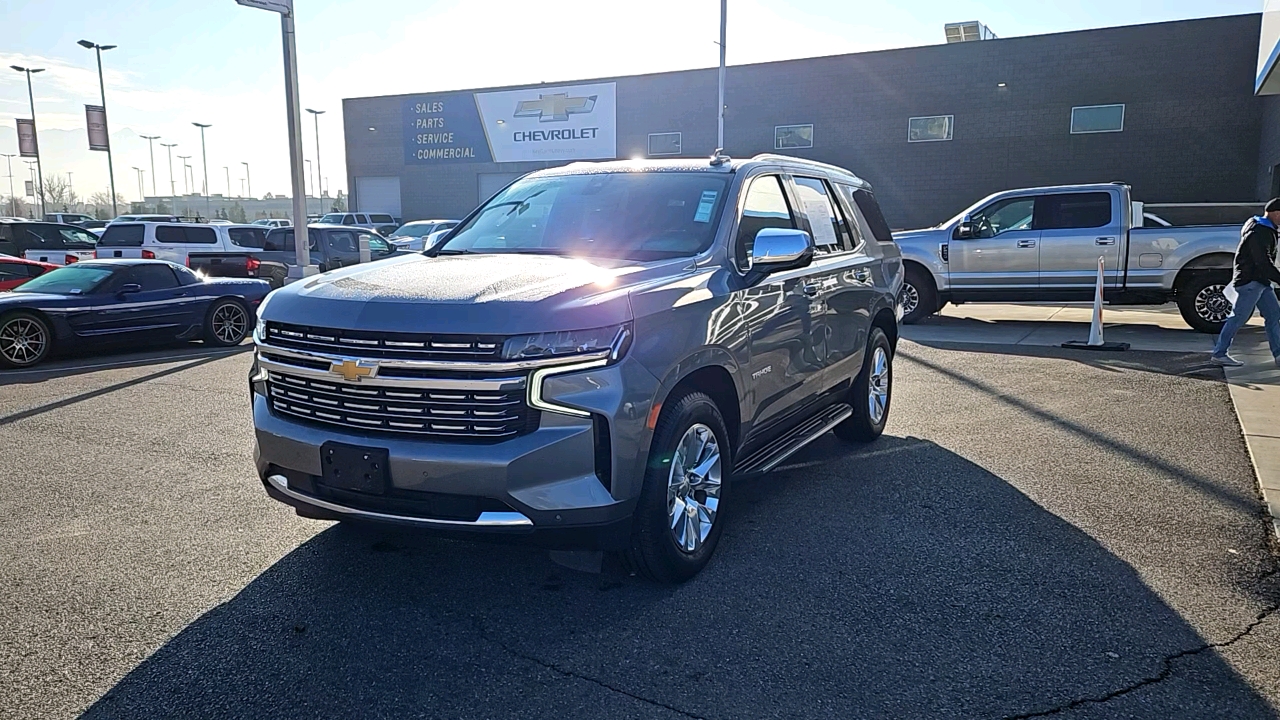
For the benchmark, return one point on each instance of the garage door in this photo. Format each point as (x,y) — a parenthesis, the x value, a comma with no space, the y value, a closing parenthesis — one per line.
(378,194)
(491,183)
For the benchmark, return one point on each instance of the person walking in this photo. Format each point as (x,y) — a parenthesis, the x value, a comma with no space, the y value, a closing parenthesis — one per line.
(1255,271)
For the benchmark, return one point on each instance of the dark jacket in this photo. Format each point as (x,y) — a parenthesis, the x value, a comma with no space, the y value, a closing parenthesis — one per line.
(1256,256)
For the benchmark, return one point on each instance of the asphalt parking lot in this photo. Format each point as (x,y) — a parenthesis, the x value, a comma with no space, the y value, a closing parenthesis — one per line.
(1041,533)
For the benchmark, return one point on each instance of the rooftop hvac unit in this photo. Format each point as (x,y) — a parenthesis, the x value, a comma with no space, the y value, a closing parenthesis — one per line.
(968,32)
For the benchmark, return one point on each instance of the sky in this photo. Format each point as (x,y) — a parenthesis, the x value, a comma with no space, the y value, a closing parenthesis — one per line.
(213,61)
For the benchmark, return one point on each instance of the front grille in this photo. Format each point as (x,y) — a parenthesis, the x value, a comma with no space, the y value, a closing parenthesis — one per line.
(385,345)
(445,413)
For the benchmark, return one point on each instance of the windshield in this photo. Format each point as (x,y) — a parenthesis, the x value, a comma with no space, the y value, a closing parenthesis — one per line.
(70,280)
(630,216)
(414,230)
(332,218)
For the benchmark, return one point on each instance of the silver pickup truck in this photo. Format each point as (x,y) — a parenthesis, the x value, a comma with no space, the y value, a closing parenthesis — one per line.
(1043,244)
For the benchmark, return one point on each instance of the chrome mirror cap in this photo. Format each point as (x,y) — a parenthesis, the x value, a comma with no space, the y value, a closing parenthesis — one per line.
(778,248)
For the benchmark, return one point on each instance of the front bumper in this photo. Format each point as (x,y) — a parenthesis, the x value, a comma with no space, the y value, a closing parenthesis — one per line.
(547,486)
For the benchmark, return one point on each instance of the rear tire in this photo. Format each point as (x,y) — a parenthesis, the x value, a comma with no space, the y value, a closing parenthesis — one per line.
(918,296)
(1201,302)
(227,324)
(683,491)
(25,340)
(872,392)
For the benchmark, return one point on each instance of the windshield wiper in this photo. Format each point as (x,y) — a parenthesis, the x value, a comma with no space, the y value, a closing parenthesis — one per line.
(447,251)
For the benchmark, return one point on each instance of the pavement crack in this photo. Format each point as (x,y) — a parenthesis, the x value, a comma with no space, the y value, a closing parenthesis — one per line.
(1166,670)
(553,667)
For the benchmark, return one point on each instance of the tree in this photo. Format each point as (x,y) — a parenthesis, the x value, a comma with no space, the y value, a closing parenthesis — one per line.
(339,203)
(57,192)
(162,208)
(237,213)
(102,204)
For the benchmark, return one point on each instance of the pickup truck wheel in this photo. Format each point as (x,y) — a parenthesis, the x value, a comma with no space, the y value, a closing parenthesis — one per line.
(872,392)
(918,296)
(25,340)
(678,517)
(1202,304)
(226,324)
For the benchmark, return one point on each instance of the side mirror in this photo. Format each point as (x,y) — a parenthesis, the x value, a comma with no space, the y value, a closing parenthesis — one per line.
(966,231)
(781,249)
(129,289)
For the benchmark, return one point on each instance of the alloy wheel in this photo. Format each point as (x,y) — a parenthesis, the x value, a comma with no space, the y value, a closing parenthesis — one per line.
(230,323)
(908,299)
(1212,305)
(23,341)
(878,386)
(693,487)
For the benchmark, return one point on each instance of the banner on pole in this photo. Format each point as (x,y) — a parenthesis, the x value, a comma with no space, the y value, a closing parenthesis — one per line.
(31,188)
(27,138)
(95,117)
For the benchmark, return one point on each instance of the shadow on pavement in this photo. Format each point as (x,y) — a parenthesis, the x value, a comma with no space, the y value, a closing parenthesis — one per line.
(70,365)
(921,587)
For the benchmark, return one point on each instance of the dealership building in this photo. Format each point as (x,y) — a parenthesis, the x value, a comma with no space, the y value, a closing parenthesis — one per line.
(1178,110)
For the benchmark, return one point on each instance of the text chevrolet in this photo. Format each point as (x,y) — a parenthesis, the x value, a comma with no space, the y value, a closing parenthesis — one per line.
(589,359)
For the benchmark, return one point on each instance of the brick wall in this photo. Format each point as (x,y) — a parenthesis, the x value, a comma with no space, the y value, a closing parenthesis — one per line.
(1193,129)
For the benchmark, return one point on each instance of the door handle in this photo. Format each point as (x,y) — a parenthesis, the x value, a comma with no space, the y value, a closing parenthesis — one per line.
(1026,243)
(810,290)
(1104,241)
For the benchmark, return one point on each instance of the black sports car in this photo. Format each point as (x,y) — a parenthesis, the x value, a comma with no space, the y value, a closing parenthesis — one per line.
(100,302)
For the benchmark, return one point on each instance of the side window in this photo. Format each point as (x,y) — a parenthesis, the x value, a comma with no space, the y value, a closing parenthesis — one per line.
(170,234)
(829,234)
(7,246)
(1073,210)
(153,277)
(854,224)
(377,246)
(78,237)
(247,237)
(765,206)
(343,242)
(201,235)
(122,236)
(348,219)
(1003,216)
(13,271)
(865,201)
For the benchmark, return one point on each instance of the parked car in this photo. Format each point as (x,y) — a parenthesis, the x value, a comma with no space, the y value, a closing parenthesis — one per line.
(412,235)
(273,222)
(331,246)
(591,359)
(364,220)
(214,250)
(15,271)
(47,242)
(104,302)
(67,218)
(94,226)
(1043,244)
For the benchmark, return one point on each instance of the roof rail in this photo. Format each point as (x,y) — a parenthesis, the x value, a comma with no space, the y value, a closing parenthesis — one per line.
(775,157)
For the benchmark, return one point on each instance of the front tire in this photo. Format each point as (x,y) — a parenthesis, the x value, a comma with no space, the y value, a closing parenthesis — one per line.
(679,516)
(872,392)
(918,296)
(1202,304)
(25,340)
(227,324)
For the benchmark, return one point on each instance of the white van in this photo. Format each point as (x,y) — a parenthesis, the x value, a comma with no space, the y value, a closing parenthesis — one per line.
(174,241)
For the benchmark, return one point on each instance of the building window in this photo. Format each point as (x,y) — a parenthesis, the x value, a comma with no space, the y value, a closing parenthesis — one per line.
(790,137)
(664,143)
(930,129)
(1097,119)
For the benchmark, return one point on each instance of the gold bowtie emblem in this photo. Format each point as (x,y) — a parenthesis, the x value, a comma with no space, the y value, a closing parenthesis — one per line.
(351,371)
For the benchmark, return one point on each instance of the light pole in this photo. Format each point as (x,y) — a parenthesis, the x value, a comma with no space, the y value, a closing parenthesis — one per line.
(152,149)
(102,89)
(142,195)
(293,107)
(247,181)
(71,190)
(313,185)
(724,11)
(204,160)
(319,190)
(31,96)
(184,159)
(227,170)
(172,187)
(13,201)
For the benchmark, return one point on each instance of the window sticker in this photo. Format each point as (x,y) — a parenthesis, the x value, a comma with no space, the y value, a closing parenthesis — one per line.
(705,205)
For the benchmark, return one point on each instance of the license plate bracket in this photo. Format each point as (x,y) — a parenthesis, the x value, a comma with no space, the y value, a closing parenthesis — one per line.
(354,468)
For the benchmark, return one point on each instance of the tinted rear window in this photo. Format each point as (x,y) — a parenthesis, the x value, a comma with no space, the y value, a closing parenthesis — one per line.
(870,209)
(247,237)
(185,235)
(1073,210)
(381,218)
(279,240)
(122,236)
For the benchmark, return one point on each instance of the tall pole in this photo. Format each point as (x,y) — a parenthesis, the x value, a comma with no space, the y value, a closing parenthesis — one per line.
(102,89)
(142,195)
(172,187)
(724,11)
(204,160)
(71,189)
(13,201)
(311,176)
(227,170)
(152,149)
(294,112)
(184,159)
(39,169)
(247,181)
(319,190)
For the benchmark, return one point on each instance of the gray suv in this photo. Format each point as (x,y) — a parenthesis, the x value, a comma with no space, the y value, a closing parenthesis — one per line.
(589,360)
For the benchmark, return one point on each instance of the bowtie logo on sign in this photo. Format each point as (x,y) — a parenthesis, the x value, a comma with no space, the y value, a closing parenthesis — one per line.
(555,108)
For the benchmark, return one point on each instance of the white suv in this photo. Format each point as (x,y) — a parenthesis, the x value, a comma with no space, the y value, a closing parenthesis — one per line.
(364,220)
(174,241)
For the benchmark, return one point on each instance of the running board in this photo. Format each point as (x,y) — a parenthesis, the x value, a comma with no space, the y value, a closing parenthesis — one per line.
(772,455)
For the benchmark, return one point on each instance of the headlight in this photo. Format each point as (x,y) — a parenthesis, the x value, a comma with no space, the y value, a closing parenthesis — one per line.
(614,338)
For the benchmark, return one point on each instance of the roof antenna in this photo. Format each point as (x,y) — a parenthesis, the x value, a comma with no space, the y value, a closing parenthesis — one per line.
(718,158)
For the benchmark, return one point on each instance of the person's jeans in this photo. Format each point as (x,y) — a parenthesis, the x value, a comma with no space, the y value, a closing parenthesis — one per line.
(1258,295)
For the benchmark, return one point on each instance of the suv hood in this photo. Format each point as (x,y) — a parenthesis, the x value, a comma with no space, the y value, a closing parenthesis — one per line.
(501,294)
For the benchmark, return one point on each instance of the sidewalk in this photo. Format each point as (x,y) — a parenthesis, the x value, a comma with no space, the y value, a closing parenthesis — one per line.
(1254,388)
